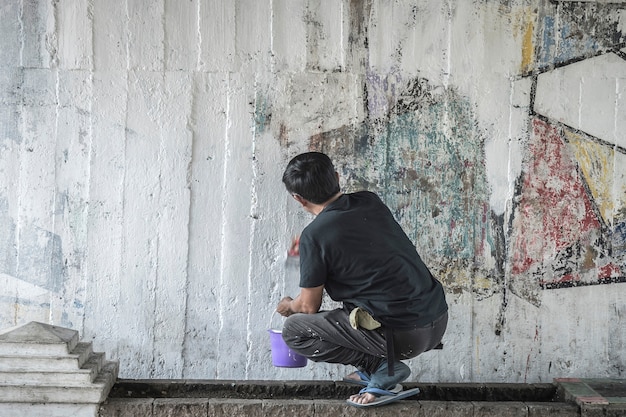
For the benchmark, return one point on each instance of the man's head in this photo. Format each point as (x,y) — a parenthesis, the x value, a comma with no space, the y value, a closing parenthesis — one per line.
(312,176)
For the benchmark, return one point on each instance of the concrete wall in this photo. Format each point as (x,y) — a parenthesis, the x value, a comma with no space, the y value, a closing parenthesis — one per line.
(142,143)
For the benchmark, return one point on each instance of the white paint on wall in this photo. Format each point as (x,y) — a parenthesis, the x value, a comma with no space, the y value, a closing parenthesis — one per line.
(288,40)
(586,96)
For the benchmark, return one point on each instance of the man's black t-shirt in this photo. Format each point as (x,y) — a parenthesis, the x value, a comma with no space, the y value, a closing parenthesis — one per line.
(357,250)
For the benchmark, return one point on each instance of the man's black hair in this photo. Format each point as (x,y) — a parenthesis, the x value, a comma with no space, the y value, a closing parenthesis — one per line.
(312,176)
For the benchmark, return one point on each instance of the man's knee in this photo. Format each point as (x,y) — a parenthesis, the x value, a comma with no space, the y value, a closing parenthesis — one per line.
(292,330)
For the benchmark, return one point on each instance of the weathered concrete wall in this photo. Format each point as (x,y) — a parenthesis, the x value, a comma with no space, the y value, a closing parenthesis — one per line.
(142,143)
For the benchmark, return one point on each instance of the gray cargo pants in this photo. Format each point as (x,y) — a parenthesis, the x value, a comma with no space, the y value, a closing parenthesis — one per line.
(327,336)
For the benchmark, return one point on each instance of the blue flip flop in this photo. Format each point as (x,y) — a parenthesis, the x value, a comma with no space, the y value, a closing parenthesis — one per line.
(384,396)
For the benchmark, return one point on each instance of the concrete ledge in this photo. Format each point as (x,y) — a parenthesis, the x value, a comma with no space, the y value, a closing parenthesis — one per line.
(217,407)
(194,398)
(315,390)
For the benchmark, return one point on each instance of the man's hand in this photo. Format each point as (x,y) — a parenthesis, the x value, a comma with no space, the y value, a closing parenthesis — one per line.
(308,301)
(284,307)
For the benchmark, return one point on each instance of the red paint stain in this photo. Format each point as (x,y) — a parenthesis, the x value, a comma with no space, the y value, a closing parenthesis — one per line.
(554,210)
(564,279)
(607,272)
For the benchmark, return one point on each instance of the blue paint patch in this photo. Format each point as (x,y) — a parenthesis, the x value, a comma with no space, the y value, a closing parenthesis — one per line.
(575,31)
(41,259)
(547,41)
(571,46)
(618,241)
(262,113)
(437,178)
(65,321)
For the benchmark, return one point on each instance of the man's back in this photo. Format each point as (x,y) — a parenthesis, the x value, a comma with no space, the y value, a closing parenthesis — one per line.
(363,257)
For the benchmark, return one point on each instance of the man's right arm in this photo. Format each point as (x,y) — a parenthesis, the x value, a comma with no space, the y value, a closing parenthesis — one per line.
(308,301)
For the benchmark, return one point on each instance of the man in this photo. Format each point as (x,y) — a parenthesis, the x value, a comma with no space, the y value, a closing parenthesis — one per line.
(393,308)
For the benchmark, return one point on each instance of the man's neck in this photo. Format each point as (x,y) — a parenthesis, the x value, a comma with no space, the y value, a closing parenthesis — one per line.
(317,208)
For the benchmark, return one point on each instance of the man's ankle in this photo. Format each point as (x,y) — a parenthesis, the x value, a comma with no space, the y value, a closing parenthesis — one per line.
(380,378)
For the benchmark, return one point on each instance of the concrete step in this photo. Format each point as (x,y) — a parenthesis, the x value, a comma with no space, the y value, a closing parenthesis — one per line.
(77,377)
(48,363)
(48,410)
(91,393)
(37,339)
(45,371)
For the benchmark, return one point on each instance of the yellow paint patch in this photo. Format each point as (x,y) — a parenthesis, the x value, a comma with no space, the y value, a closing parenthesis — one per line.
(481,283)
(527,45)
(455,277)
(459,277)
(596,163)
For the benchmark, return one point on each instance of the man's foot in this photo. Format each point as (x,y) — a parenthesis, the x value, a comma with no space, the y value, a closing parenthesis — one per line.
(372,397)
(365,397)
(362,399)
(380,384)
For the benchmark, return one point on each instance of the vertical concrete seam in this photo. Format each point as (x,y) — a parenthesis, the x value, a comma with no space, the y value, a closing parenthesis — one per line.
(501,318)
(164,61)
(342,25)
(55,190)
(20,21)
(272,60)
(159,222)
(446,76)
(123,191)
(253,226)
(615,192)
(127,50)
(90,18)
(199,34)
(189,178)
(220,300)
(580,101)
(52,40)
(21,123)
(88,190)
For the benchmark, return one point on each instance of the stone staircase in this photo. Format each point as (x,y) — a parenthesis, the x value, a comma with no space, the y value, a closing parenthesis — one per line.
(46,371)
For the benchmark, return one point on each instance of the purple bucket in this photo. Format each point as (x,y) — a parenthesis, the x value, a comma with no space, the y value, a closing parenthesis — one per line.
(282,356)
